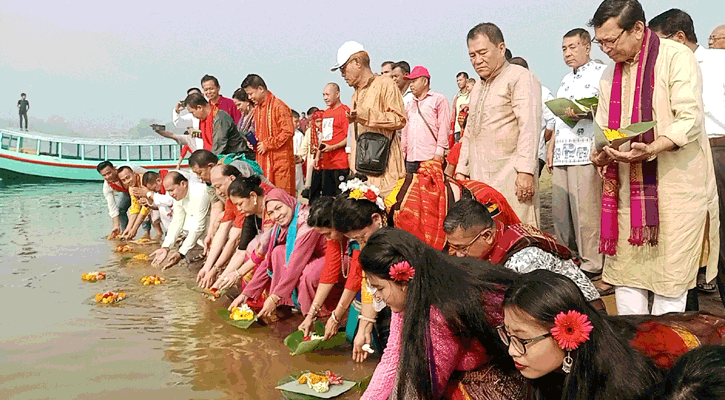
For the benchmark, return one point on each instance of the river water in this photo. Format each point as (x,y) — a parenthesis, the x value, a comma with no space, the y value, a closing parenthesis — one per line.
(161,342)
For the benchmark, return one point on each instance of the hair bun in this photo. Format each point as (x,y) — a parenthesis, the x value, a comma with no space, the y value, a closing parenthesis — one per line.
(253,180)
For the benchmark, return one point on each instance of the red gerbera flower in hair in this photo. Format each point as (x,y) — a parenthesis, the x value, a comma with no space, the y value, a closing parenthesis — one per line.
(402,271)
(370,195)
(571,329)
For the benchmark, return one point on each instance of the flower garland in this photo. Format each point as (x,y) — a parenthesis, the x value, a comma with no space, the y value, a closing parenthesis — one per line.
(570,330)
(402,271)
(362,190)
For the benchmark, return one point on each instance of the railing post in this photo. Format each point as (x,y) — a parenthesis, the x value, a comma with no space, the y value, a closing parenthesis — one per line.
(83,152)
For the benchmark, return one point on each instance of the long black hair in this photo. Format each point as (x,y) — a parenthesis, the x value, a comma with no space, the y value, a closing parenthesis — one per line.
(468,293)
(605,366)
(698,374)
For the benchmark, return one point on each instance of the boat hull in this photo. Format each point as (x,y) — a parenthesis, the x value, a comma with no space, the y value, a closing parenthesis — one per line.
(42,166)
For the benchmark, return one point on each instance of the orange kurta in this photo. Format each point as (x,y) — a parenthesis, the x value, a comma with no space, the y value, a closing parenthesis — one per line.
(274,128)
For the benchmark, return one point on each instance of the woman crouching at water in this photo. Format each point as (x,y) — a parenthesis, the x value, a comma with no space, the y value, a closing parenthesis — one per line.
(293,257)
(443,340)
(357,213)
(566,347)
(341,276)
(248,195)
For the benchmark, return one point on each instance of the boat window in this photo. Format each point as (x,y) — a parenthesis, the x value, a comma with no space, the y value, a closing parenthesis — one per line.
(145,153)
(165,152)
(70,150)
(133,153)
(29,146)
(93,152)
(48,148)
(7,142)
(114,153)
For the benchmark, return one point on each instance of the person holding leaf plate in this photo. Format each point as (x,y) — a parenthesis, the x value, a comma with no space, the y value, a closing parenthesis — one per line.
(656,223)
(293,257)
(577,188)
(341,276)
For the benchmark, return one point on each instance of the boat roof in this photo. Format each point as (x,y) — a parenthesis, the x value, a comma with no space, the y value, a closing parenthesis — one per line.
(91,141)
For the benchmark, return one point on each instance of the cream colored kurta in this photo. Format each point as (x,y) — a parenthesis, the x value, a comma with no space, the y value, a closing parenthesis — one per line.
(380,109)
(502,136)
(688,212)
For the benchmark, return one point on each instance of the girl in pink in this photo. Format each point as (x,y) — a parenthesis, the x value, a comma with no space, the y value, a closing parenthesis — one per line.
(443,341)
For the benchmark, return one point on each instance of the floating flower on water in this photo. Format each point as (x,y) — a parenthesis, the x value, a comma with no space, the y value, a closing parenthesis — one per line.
(152,280)
(112,236)
(571,329)
(123,249)
(109,297)
(93,276)
(144,240)
(141,256)
(613,134)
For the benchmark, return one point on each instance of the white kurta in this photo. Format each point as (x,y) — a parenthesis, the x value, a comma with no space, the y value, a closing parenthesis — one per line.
(502,136)
(689,219)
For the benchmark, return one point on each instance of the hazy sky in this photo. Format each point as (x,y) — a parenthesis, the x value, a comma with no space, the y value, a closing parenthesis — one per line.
(105,65)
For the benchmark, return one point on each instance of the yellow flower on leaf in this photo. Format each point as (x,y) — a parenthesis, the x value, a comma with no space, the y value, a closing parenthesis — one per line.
(613,134)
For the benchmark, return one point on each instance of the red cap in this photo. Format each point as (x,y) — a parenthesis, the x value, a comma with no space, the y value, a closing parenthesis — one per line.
(417,72)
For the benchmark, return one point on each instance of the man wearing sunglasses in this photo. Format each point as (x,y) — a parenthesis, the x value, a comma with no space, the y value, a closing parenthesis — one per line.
(472,232)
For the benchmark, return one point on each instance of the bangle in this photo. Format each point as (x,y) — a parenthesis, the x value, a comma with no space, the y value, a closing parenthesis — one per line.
(364,318)
(237,272)
(334,318)
(276,301)
(315,308)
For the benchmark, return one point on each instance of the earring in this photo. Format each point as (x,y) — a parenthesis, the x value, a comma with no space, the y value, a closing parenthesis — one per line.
(568,363)
(255,202)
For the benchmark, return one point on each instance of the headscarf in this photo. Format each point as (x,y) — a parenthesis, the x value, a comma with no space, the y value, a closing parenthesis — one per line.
(280,195)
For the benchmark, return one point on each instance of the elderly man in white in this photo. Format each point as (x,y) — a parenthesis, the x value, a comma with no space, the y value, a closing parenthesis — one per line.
(191,211)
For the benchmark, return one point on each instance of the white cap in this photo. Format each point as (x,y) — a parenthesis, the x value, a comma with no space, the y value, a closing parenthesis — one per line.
(345,51)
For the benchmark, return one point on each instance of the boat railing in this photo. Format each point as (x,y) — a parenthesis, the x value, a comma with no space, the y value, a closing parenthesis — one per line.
(87,149)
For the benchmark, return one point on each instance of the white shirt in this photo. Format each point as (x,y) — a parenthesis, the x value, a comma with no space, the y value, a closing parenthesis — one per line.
(110,194)
(573,145)
(712,64)
(297,140)
(191,212)
(184,119)
(165,203)
(548,120)
(408,97)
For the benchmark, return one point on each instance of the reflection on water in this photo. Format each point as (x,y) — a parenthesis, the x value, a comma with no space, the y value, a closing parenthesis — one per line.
(161,341)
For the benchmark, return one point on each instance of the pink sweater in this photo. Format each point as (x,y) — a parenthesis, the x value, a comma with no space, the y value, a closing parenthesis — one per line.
(448,353)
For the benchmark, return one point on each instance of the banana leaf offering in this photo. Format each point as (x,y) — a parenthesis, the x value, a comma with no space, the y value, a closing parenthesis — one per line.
(298,343)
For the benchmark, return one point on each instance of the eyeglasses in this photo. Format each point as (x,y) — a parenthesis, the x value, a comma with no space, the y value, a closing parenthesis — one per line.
(518,343)
(608,42)
(715,38)
(453,249)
